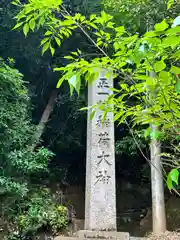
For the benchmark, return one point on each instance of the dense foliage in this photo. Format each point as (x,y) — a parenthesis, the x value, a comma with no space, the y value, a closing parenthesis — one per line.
(22,203)
(156,97)
(135,14)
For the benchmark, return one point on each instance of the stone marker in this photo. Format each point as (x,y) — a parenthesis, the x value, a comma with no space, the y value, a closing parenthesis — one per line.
(100,202)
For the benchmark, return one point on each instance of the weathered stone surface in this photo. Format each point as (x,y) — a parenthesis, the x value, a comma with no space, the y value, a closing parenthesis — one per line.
(100,204)
(138,238)
(103,235)
(120,238)
(65,238)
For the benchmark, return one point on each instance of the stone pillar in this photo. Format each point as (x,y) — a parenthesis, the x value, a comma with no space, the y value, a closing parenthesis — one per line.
(100,202)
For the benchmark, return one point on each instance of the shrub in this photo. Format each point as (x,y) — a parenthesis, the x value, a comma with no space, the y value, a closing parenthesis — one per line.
(24,204)
(38,212)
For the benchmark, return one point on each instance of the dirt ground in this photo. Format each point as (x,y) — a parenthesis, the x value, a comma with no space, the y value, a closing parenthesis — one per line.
(166,236)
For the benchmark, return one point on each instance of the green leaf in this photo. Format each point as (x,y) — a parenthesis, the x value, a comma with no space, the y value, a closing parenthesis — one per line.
(124,86)
(48,33)
(116,45)
(175,70)
(18,25)
(45,47)
(165,76)
(32,24)
(61,80)
(150,34)
(173,31)
(92,25)
(44,41)
(169,182)
(92,77)
(59,69)
(74,53)
(92,114)
(84,108)
(28,9)
(28,18)
(105,17)
(147,132)
(92,17)
(110,25)
(16,3)
(26,29)
(118,115)
(161,26)
(67,22)
(174,175)
(170,3)
(75,81)
(155,135)
(171,41)
(178,87)
(159,66)
(120,30)
(58,41)
(69,57)
(52,50)
(149,80)
(176,55)
(79,51)
(99,42)
(71,89)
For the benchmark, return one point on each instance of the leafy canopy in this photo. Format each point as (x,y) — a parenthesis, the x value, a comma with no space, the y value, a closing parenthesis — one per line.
(155,97)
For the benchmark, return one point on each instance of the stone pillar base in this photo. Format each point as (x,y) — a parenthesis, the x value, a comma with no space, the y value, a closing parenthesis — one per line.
(96,235)
(86,234)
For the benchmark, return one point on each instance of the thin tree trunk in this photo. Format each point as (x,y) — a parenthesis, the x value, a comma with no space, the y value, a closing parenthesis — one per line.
(44,119)
(157,184)
(157,187)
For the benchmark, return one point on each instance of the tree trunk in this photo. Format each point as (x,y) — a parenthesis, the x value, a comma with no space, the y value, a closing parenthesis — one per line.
(157,187)
(44,119)
(157,184)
